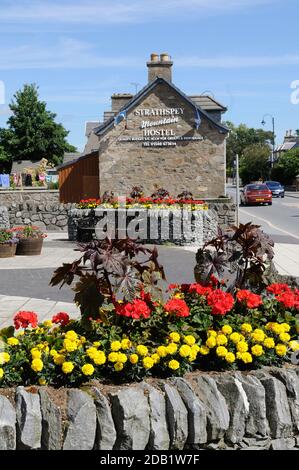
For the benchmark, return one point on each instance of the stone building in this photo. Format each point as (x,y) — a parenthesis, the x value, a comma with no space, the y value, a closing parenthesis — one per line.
(159,137)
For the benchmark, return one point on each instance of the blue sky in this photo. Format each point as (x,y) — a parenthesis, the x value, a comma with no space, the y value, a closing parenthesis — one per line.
(79,52)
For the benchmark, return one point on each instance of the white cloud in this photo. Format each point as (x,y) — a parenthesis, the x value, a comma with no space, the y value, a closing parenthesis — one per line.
(68,53)
(80,12)
(237,62)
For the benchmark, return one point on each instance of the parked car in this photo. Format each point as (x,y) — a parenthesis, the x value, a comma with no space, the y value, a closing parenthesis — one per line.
(276,188)
(256,193)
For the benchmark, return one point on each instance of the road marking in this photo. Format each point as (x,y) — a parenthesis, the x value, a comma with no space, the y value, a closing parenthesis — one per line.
(270,224)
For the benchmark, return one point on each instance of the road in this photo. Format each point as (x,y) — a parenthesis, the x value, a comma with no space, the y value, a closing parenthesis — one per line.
(280,221)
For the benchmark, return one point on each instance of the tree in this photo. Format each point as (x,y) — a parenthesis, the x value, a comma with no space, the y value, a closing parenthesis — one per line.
(32,131)
(254,163)
(5,157)
(241,137)
(287,167)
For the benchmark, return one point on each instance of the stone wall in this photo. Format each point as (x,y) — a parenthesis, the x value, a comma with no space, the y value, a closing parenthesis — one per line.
(258,410)
(41,208)
(157,226)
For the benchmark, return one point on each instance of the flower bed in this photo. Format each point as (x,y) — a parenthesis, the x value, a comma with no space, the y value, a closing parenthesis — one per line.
(199,327)
(143,203)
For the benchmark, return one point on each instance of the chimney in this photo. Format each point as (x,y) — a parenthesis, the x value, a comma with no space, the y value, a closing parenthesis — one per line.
(160,66)
(118,100)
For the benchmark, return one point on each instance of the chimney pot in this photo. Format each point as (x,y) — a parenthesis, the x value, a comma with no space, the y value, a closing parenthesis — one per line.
(164,57)
(154,57)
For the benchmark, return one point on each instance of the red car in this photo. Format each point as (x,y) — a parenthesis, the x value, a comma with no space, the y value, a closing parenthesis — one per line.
(256,193)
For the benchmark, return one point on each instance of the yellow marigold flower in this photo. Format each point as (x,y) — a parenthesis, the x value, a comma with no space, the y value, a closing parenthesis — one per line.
(115,345)
(87,369)
(246,328)
(96,344)
(113,356)
(269,343)
(69,345)
(99,358)
(286,327)
(59,359)
(230,357)
(121,357)
(118,366)
(1,373)
(211,342)
(242,337)
(67,367)
(258,335)
(239,355)
(46,349)
(195,349)
(204,350)
(190,340)
(71,335)
(185,350)
(281,349)
(179,295)
(242,346)
(91,352)
(175,337)
(36,353)
(212,333)
(142,350)
(294,345)
(171,348)
(82,340)
(221,351)
(285,337)
(227,329)
(257,350)
(269,325)
(235,337)
(53,352)
(126,343)
(221,340)
(48,323)
(192,357)
(20,333)
(134,358)
(246,357)
(162,351)
(156,358)
(148,362)
(277,328)
(42,381)
(13,341)
(37,365)
(173,364)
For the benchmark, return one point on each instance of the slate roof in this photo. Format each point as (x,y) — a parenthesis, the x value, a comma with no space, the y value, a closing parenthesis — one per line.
(69,157)
(90,126)
(207,103)
(147,89)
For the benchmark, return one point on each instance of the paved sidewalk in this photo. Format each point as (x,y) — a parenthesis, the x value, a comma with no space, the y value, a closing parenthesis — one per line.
(45,309)
(292,194)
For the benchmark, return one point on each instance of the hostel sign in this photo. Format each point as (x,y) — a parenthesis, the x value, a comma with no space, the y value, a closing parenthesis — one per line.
(152,125)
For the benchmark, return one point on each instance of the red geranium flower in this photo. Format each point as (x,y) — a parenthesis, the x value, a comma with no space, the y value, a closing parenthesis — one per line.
(177,307)
(288,299)
(24,319)
(199,289)
(62,318)
(137,309)
(221,302)
(277,289)
(251,300)
(173,286)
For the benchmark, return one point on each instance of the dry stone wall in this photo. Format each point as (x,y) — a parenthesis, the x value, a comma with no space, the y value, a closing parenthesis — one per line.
(255,410)
(40,208)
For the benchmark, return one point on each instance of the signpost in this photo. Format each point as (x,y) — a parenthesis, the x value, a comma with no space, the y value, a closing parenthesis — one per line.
(237,191)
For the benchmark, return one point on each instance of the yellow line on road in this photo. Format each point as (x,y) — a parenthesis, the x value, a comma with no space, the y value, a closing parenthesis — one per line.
(270,224)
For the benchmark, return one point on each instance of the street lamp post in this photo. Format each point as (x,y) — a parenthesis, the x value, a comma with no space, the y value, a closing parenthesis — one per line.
(273,136)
